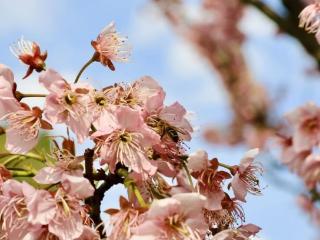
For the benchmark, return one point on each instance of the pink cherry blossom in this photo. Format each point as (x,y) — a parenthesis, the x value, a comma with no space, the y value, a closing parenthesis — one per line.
(66,103)
(13,211)
(149,93)
(123,220)
(8,102)
(23,129)
(183,184)
(78,187)
(144,94)
(245,179)
(209,181)
(69,172)
(65,164)
(294,160)
(311,170)
(168,156)
(306,126)
(125,139)
(61,213)
(171,122)
(178,217)
(101,102)
(110,46)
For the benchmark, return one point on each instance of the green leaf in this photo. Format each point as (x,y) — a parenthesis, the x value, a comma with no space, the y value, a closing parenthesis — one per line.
(24,167)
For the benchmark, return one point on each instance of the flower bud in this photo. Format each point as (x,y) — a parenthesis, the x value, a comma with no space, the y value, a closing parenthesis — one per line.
(30,54)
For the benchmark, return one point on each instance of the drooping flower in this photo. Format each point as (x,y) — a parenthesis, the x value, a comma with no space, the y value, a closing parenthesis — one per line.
(30,54)
(125,138)
(198,161)
(306,126)
(179,217)
(210,183)
(111,46)
(123,220)
(8,101)
(209,178)
(234,208)
(23,129)
(66,103)
(245,179)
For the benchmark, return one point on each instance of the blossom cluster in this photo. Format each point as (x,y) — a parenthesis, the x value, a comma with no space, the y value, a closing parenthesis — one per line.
(139,141)
(299,142)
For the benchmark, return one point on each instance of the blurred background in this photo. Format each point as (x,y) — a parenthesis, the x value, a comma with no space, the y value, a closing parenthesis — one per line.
(227,62)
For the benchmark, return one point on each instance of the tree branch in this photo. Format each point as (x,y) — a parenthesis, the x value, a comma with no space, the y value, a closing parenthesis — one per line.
(88,162)
(109,180)
(290,24)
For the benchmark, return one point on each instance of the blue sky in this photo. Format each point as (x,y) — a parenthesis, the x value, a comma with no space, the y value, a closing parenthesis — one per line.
(65,29)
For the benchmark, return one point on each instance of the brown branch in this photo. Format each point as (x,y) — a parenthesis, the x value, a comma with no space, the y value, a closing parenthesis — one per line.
(94,202)
(88,161)
(219,41)
(2,131)
(290,24)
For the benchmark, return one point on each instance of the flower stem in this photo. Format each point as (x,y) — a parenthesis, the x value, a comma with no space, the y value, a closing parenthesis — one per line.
(138,196)
(25,95)
(225,166)
(87,64)
(188,174)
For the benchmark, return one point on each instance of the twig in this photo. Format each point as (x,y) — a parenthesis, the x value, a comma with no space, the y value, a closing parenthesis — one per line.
(95,201)
(88,161)
(289,24)
(87,64)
